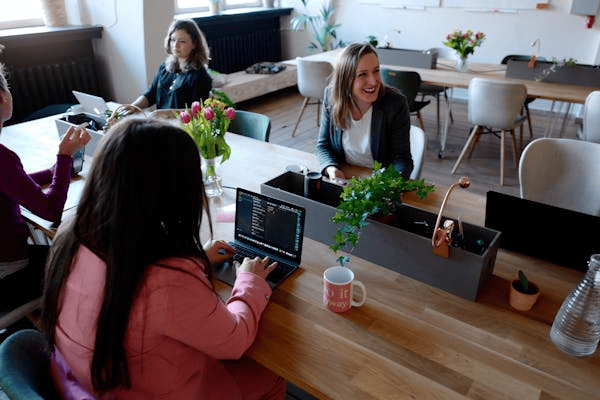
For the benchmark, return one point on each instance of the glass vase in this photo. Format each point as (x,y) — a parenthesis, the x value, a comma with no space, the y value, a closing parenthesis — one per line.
(461,64)
(211,168)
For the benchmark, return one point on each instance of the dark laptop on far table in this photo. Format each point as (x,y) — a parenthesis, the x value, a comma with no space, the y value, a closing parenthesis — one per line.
(265,226)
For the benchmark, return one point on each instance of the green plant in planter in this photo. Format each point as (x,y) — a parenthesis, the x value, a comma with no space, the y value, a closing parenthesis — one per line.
(376,195)
(372,39)
(523,285)
(321,26)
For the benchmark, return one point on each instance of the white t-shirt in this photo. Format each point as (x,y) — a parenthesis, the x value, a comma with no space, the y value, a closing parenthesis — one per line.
(356,141)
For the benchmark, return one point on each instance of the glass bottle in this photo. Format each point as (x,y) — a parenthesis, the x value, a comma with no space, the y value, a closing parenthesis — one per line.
(576,327)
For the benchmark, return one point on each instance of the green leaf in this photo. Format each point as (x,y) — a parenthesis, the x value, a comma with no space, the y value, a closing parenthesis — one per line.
(523,281)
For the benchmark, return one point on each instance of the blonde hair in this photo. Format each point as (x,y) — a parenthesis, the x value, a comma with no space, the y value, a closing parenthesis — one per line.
(344,74)
(199,56)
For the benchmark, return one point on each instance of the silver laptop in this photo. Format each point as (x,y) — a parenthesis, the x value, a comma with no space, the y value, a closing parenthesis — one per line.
(265,226)
(90,103)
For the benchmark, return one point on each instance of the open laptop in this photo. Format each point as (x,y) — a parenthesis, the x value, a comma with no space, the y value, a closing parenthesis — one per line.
(90,103)
(265,226)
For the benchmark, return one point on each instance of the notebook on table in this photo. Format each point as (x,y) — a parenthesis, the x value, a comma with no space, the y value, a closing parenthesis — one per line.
(265,226)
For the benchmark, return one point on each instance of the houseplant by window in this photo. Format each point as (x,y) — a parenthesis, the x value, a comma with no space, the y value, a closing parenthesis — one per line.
(321,26)
(375,196)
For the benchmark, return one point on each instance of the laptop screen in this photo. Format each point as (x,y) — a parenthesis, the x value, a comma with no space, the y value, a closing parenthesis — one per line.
(540,230)
(269,224)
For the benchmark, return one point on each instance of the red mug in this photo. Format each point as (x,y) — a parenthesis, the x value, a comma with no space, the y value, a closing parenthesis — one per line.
(338,289)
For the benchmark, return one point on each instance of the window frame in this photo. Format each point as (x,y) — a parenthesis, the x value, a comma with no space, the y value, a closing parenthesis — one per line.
(222,5)
(21,23)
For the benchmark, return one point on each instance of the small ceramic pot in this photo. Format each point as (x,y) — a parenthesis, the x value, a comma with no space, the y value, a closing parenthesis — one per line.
(523,301)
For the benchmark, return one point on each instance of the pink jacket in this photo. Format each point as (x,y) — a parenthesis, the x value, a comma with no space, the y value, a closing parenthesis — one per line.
(179,329)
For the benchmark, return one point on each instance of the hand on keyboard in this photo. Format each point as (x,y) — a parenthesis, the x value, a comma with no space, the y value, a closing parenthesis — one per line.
(257,266)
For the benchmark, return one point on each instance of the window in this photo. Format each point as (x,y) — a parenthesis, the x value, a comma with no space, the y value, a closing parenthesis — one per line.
(185,6)
(22,13)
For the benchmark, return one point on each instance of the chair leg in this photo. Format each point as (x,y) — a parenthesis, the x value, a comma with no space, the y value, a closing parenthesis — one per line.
(304,103)
(472,136)
(502,155)
(318,113)
(437,113)
(420,118)
(529,121)
(474,144)
(514,148)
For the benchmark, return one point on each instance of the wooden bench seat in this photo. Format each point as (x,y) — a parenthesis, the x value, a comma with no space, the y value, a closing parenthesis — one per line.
(240,86)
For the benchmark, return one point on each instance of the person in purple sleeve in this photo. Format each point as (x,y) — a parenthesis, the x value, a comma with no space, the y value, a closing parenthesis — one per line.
(22,265)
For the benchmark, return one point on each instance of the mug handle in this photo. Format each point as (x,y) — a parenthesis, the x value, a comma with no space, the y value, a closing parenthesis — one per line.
(359,303)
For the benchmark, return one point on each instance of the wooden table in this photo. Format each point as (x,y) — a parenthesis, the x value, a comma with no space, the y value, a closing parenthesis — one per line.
(446,75)
(410,340)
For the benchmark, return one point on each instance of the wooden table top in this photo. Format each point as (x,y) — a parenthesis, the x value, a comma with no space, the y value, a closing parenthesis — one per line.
(446,75)
(409,340)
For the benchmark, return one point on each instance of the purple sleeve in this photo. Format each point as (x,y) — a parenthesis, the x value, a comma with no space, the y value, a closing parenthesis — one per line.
(25,190)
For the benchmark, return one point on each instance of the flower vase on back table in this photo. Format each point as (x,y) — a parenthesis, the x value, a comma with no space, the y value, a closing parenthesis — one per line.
(464,43)
(461,64)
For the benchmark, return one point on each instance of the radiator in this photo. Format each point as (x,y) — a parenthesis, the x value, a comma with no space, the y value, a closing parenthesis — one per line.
(234,53)
(239,40)
(37,86)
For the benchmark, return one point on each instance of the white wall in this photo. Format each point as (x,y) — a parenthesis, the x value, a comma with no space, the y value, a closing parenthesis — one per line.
(562,35)
(131,48)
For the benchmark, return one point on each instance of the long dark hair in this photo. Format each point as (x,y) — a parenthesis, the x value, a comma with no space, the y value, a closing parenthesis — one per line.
(199,56)
(143,201)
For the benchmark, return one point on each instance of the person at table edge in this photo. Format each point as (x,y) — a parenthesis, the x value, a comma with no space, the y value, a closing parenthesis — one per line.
(183,77)
(22,265)
(362,119)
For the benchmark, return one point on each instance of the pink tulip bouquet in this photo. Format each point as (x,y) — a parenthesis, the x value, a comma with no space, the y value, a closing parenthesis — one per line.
(207,125)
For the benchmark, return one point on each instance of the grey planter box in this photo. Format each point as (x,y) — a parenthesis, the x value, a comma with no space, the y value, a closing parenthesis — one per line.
(407,57)
(406,247)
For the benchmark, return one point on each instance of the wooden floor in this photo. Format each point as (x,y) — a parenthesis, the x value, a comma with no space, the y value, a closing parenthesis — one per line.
(483,168)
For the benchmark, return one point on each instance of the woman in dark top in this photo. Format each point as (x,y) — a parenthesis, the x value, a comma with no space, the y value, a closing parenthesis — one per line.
(182,78)
(362,119)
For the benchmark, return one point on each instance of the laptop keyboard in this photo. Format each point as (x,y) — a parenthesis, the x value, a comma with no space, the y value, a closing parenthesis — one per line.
(276,275)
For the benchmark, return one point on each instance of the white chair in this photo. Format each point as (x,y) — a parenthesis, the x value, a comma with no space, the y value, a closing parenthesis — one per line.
(494,105)
(563,173)
(313,78)
(418,149)
(591,118)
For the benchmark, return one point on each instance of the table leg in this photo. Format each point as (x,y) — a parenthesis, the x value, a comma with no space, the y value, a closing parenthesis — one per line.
(446,123)
(565,118)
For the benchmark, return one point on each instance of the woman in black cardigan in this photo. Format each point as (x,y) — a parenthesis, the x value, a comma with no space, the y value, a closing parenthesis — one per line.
(362,119)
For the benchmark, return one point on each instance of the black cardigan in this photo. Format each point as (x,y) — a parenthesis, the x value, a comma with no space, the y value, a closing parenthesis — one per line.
(390,134)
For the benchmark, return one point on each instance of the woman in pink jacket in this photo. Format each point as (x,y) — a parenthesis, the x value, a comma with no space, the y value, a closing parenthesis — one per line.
(129,304)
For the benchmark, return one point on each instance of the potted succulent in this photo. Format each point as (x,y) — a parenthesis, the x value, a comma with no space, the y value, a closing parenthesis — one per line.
(375,196)
(523,293)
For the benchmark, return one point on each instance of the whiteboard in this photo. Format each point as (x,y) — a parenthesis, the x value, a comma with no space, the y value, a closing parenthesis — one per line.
(495,4)
(414,4)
